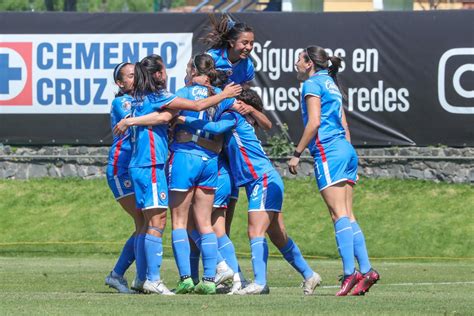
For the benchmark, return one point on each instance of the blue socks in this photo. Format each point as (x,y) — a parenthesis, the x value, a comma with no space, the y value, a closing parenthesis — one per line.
(209,255)
(195,255)
(181,251)
(140,258)
(194,262)
(127,256)
(360,249)
(154,256)
(227,250)
(259,250)
(345,243)
(293,255)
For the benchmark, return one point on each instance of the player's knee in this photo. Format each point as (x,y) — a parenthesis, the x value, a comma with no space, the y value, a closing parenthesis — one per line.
(254,232)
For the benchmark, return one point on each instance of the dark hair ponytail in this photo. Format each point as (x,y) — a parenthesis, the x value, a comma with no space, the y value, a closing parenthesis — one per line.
(321,60)
(144,81)
(204,65)
(223,31)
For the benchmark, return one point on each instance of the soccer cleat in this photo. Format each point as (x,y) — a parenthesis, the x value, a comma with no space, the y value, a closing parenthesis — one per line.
(157,287)
(310,284)
(368,279)
(238,283)
(117,282)
(223,273)
(348,282)
(137,285)
(223,288)
(253,289)
(185,286)
(205,288)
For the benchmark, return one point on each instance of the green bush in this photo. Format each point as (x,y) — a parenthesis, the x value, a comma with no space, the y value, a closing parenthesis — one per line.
(279,144)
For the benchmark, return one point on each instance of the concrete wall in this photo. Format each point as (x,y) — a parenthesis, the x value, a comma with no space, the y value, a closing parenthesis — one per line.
(454,165)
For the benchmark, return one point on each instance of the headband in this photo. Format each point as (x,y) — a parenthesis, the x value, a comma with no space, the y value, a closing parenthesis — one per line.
(117,70)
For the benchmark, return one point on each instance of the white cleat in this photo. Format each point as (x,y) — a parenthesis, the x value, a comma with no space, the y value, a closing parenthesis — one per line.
(117,282)
(223,273)
(253,289)
(157,287)
(310,284)
(238,283)
(137,285)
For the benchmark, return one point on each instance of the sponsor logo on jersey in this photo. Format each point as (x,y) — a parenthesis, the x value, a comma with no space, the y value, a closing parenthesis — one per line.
(163,195)
(127,183)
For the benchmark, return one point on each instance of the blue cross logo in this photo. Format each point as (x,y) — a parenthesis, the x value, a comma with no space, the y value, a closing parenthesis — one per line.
(7,74)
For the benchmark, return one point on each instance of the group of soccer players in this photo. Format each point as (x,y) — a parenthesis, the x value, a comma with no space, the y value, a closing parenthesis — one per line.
(190,151)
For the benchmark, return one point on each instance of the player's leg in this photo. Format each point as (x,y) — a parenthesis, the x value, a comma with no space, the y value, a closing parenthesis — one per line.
(229,265)
(278,235)
(258,223)
(227,268)
(195,244)
(156,220)
(183,169)
(335,198)
(121,186)
(292,254)
(151,191)
(229,215)
(370,276)
(202,210)
(180,203)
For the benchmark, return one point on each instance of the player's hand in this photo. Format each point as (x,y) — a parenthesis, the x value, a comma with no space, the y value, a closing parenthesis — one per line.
(179,119)
(232,90)
(242,108)
(121,127)
(293,165)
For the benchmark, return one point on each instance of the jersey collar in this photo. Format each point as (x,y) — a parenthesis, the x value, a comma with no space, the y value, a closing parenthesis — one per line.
(321,72)
(225,56)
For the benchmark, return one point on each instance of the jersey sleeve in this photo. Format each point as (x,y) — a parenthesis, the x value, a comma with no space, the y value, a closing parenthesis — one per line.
(226,122)
(160,101)
(225,105)
(118,109)
(250,73)
(214,54)
(311,87)
(182,93)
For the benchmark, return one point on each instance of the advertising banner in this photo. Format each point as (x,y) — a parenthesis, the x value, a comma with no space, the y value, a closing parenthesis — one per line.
(408,77)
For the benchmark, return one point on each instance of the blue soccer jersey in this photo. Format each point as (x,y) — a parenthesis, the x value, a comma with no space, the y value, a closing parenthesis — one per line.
(150,143)
(121,150)
(198,92)
(247,159)
(322,85)
(239,72)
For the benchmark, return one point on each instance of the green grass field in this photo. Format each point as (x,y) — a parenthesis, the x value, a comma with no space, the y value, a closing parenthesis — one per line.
(75,286)
(399,218)
(60,238)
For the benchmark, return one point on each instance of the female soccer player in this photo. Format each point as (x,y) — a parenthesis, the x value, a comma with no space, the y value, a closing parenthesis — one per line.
(153,107)
(327,136)
(119,179)
(230,46)
(193,179)
(252,169)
